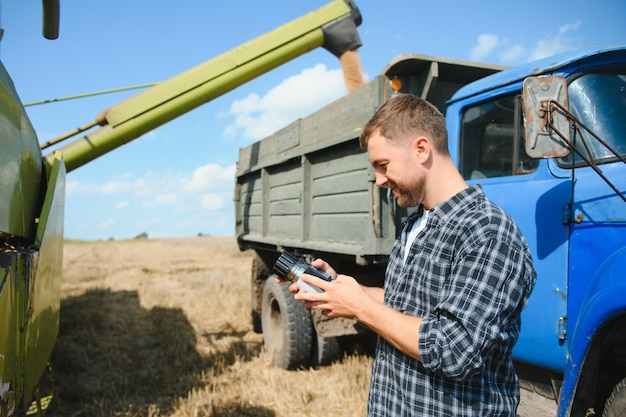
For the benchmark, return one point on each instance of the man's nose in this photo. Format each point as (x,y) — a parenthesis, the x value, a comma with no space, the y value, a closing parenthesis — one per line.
(381,180)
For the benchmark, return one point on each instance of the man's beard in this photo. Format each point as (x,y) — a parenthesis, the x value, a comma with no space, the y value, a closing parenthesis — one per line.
(410,196)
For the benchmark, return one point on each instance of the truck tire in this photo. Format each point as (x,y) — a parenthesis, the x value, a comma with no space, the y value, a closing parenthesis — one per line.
(259,275)
(325,351)
(616,403)
(287,326)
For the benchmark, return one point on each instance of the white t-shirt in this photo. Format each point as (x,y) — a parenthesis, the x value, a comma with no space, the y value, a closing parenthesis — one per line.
(417,227)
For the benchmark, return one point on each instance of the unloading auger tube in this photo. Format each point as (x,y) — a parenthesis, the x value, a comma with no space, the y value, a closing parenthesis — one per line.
(332,26)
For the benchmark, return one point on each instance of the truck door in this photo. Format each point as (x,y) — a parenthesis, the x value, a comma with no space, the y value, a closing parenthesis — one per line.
(490,152)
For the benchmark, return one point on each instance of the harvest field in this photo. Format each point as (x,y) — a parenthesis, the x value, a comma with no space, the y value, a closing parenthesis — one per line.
(162,328)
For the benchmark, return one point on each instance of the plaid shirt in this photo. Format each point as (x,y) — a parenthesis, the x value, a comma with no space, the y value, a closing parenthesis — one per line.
(469,273)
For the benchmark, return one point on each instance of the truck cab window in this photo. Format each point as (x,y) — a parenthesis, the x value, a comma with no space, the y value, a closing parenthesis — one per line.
(599,102)
(492,140)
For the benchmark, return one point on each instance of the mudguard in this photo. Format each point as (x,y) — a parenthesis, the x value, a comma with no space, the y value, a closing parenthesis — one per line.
(603,301)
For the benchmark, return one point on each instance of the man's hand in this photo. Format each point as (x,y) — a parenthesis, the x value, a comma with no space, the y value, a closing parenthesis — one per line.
(318,264)
(343,297)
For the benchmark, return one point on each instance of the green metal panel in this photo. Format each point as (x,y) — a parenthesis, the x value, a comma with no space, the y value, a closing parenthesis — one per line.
(249,204)
(283,191)
(20,164)
(8,330)
(30,287)
(44,281)
(20,188)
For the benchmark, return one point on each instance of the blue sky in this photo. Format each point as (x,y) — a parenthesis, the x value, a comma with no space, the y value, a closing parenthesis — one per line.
(178,180)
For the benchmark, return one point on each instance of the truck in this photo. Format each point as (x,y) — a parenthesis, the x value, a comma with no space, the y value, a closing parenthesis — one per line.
(32,183)
(547,142)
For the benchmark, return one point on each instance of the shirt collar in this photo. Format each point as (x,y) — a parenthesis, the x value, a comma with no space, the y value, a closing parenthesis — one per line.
(466,198)
(442,211)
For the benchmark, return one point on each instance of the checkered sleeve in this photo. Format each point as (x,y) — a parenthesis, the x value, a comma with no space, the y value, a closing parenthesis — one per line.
(477,302)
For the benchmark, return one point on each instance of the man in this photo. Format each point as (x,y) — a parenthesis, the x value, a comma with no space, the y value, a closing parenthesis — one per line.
(458,277)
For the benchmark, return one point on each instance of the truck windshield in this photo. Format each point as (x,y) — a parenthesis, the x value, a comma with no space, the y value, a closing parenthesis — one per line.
(599,101)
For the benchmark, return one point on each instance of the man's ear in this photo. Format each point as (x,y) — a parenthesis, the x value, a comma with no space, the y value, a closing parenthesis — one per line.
(421,146)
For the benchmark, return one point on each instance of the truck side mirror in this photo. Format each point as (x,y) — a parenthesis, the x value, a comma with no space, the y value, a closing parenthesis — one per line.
(545,106)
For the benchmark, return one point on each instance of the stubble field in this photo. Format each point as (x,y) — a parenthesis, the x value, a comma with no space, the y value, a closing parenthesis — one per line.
(162,328)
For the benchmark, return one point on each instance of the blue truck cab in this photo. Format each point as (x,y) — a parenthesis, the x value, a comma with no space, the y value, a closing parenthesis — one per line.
(569,201)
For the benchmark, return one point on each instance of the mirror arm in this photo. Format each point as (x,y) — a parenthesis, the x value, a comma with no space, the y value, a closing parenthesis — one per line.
(578,124)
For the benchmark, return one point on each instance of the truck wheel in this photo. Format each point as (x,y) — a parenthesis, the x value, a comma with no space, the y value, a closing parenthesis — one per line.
(287,326)
(616,403)
(259,275)
(325,351)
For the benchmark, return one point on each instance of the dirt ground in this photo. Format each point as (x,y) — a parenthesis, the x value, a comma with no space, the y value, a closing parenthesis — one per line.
(163,328)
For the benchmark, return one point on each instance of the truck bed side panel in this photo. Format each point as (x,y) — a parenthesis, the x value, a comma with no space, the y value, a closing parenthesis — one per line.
(310,185)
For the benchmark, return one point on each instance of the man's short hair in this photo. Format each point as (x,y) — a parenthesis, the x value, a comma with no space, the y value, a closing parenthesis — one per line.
(406,116)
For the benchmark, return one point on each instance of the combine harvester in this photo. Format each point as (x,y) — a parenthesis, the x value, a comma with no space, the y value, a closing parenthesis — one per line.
(32,186)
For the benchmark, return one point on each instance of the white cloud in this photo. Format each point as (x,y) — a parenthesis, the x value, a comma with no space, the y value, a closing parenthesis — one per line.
(515,53)
(106,224)
(164,199)
(485,45)
(570,26)
(212,201)
(297,96)
(208,187)
(79,189)
(556,44)
(210,177)
(119,186)
(120,205)
(505,52)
